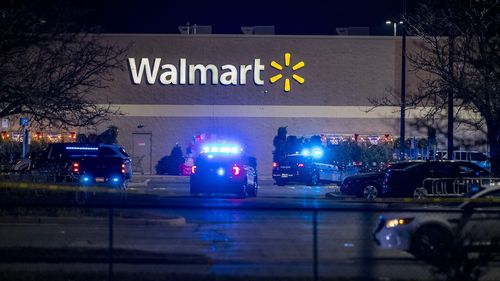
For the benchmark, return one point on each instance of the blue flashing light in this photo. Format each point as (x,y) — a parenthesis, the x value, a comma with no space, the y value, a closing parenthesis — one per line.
(116,179)
(317,152)
(220,172)
(210,156)
(81,148)
(86,179)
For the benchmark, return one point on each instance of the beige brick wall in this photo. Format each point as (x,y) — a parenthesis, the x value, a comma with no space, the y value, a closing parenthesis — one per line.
(339,71)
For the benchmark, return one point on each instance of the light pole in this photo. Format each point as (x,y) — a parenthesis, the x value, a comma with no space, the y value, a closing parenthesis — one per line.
(395,25)
(403,86)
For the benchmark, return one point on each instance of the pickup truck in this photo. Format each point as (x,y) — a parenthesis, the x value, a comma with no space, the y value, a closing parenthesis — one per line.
(85,164)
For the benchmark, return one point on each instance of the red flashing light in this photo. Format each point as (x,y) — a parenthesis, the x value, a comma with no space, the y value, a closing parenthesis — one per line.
(4,135)
(236,170)
(75,167)
(275,165)
(301,165)
(193,170)
(123,169)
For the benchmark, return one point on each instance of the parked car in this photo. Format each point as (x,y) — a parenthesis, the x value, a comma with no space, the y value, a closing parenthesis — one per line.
(429,235)
(307,169)
(86,164)
(428,178)
(368,185)
(224,170)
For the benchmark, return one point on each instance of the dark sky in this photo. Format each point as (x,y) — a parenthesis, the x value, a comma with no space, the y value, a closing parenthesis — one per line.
(302,17)
(289,17)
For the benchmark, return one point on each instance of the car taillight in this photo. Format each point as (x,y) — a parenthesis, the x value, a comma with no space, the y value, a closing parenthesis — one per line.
(75,167)
(300,165)
(123,169)
(193,170)
(236,170)
(275,165)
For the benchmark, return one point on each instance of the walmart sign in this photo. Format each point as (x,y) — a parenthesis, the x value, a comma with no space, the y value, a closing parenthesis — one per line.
(152,71)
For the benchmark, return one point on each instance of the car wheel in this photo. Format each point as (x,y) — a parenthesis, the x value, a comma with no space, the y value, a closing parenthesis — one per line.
(419,193)
(314,180)
(281,182)
(252,191)
(370,192)
(431,242)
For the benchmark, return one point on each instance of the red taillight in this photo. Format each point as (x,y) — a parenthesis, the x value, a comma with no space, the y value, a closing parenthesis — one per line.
(275,165)
(236,170)
(300,165)
(123,169)
(193,170)
(75,167)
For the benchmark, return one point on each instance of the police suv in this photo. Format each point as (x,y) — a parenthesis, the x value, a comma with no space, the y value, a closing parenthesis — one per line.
(307,167)
(224,169)
(85,164)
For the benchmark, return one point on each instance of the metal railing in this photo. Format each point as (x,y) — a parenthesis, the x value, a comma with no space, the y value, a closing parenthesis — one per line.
(453,187)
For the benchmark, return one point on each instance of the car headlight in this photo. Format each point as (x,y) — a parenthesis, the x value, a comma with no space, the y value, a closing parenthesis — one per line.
(397,222)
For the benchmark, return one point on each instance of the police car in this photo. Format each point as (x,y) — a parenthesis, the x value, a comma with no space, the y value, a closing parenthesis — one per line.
(308,167)
(224,169)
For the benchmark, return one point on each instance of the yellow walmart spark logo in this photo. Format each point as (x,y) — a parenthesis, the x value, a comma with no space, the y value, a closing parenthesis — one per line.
(295,77)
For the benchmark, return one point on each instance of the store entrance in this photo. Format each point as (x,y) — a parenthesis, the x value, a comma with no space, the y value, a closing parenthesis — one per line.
(141,153)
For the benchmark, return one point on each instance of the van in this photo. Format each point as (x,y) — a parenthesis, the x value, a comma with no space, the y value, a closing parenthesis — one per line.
(476,157)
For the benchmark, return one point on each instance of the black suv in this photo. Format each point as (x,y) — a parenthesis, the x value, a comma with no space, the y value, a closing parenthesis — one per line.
(447,178)
(222,173)
(86,164)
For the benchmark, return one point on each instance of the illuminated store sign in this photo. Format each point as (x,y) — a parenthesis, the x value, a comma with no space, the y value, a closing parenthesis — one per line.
(183,73)
(153,71)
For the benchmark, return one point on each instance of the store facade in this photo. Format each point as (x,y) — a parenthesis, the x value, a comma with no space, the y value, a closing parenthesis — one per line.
(173,88)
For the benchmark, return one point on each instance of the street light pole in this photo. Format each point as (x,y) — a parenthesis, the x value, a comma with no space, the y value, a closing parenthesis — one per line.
(403,94)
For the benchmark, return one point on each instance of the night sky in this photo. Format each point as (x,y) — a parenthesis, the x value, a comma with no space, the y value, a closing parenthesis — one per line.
(306,17)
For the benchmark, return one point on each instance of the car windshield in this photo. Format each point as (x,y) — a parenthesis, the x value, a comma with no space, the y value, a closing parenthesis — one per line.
(400,165)
(293,159)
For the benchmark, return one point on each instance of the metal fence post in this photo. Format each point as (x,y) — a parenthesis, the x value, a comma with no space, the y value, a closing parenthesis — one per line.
(315,245)
(110,246)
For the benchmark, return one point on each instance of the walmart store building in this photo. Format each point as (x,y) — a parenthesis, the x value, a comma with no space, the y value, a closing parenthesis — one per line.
(175,87)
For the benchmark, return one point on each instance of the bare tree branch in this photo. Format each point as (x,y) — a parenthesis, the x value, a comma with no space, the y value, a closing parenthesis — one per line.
(49,71)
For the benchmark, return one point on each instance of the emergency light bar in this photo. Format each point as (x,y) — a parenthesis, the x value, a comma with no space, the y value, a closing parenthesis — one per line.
(315,152)
(221,149)
(81,148)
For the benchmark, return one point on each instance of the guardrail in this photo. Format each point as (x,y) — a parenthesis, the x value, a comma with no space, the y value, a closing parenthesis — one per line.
(453,187)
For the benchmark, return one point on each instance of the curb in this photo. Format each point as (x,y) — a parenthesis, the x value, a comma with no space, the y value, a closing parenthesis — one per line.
(173,221)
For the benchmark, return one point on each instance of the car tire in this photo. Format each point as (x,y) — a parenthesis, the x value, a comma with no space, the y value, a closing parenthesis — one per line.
(314,179)
(252,191)
(420,193)
(281,182)
(370,191)
(431,243)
